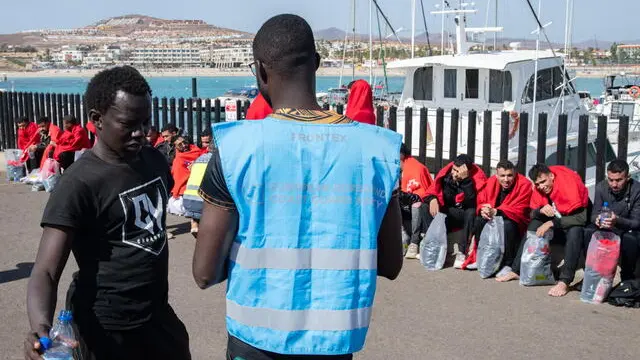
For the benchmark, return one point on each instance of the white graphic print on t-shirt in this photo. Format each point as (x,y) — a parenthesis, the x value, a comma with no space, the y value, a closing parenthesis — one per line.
(144,225)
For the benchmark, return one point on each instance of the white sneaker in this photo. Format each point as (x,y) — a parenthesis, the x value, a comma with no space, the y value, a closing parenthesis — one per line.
(460,259)
(473,266)
(412,252)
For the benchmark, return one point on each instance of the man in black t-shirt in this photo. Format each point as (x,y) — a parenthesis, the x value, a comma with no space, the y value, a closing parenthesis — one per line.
(109,209)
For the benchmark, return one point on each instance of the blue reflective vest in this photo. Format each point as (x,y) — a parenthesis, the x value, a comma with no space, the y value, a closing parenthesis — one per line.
(310,198)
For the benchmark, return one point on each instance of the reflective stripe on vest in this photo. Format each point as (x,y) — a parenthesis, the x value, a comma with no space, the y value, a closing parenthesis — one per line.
(296,320)
(302,275)
(300,259)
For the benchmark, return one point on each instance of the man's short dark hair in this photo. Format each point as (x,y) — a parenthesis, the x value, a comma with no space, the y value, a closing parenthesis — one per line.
(152,129)
(102,89)
(618,166)
(404,150)
(205,132)
(22,120)
(170,127)
(284,43)
(505,165)
(537,170)
(70,119)
(43,119)
(463,159)
(351,84)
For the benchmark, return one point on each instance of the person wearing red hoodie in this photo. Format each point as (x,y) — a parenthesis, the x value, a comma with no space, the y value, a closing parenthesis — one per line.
(74,138)
(360,103)
(27,133)
(560,203)
(414,182)
(259,109)
(455,193)
(506,194)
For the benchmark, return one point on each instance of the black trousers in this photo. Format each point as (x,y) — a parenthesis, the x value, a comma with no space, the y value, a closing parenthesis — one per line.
(66,159)
(463,219)
(34,162)
(629,250)
(163,337)
(511,238)
(237,349)
(573,240)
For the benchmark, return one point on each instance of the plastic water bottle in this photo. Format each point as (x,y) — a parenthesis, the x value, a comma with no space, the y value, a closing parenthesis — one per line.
(60,343)
(605,212)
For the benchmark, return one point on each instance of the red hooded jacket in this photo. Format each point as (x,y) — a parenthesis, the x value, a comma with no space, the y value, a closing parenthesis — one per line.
(360,103)
(477,176)
(181,169)
(54,133)
(515,205)
(568,194)
(416,178)
(259,109)
(28,136)
(74,140)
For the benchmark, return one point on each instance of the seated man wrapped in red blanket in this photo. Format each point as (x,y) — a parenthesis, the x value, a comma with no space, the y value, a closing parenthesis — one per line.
(186,154)
(508,195)
(454,193)
(48,132)
(74,138)
(560,203)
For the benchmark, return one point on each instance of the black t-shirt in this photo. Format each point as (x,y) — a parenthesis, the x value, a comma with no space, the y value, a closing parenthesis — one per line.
(120,245)
(452,188)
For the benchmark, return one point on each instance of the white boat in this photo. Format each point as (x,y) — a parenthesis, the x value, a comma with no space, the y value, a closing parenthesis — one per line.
(497,81)
(621,97)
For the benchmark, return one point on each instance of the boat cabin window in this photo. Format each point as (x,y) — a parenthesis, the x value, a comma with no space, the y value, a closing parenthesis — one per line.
(472,80)
(500,87)
(549,85)
(423,84)
(450,83)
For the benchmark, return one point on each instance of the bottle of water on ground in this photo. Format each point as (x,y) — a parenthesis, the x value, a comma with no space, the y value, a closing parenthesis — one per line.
(605,212)
(61,341)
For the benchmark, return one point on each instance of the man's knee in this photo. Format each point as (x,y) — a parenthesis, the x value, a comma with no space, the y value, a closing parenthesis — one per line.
(575,233)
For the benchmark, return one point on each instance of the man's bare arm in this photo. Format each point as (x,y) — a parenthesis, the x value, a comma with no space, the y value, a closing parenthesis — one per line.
(216,232)
(42,290)
(390,241)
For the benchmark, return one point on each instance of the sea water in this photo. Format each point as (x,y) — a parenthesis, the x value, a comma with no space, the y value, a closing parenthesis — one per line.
(209,87)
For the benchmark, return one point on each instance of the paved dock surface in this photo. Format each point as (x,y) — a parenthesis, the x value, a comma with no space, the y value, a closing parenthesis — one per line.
(443,315)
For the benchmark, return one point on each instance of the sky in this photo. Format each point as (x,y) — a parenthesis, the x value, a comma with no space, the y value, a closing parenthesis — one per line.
(604,20)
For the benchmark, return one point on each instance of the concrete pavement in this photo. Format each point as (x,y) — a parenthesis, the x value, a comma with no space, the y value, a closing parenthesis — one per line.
(443,315)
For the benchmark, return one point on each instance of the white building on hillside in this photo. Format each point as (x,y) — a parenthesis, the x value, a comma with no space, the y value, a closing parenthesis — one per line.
(166,57)
(233,57)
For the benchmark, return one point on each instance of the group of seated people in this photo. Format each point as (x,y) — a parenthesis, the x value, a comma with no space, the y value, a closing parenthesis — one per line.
(181,155)
(43,140)
(556,201)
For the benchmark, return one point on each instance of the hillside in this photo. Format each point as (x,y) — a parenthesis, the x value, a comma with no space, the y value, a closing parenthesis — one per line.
(126,30)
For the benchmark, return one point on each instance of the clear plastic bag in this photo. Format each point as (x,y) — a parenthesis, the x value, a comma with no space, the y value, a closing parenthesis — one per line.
(50,182)
(49,168)
(491,247)
(433,249)
(600,267)
(535,266)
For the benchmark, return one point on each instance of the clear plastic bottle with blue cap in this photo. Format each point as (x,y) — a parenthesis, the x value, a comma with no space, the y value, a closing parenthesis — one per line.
(62,340)
(605,212)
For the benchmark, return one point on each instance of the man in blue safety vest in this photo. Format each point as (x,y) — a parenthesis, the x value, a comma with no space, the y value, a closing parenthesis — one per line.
(300,213)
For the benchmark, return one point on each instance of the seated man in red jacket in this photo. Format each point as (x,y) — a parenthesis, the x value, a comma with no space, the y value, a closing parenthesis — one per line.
(506,194)
(27,133)
(455,193)
(414,183)
(560,203)
(47,132)
(74,138)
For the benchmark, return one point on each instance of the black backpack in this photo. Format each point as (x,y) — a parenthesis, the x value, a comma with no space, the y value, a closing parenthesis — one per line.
(627,294)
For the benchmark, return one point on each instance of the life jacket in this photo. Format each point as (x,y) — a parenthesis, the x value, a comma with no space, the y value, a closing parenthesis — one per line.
(311,198)
(191,200)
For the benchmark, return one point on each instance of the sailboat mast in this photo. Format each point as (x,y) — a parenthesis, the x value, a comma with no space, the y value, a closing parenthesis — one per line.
(495,35)
(442,32)
(535,80)
(413,28)
(371,42)
(353,68)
